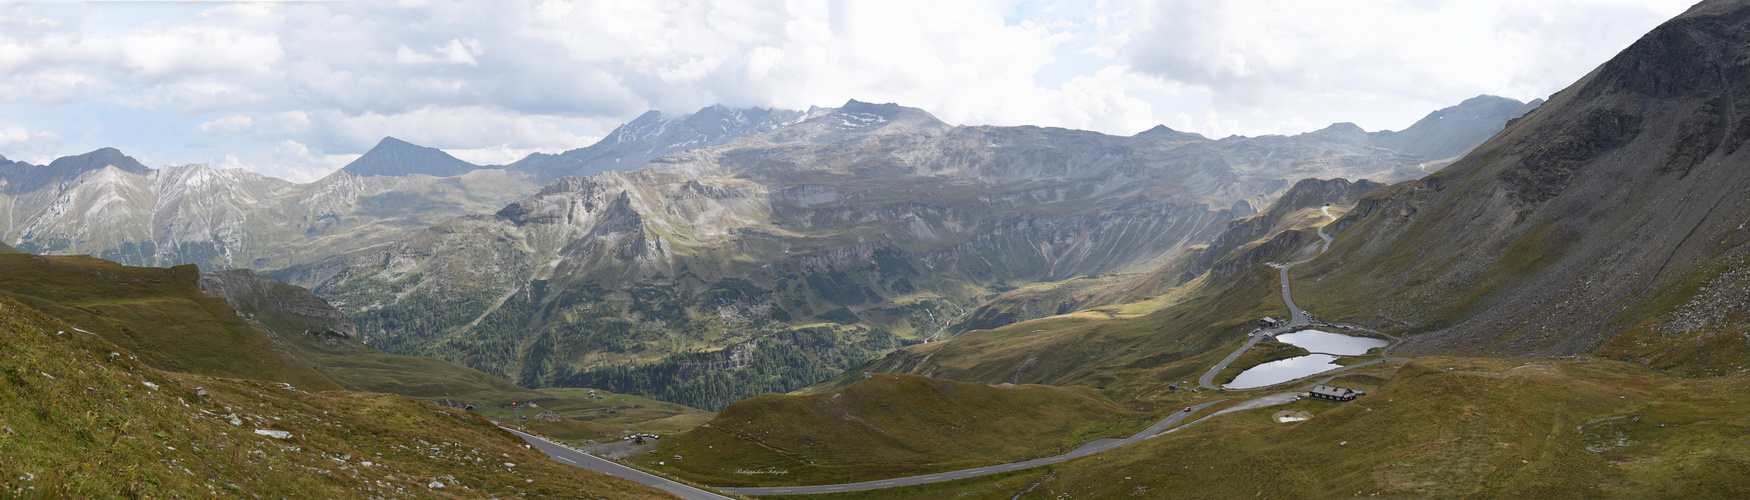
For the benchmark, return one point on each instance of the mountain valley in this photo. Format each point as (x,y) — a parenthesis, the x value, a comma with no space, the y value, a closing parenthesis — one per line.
(865,301)
(864,227)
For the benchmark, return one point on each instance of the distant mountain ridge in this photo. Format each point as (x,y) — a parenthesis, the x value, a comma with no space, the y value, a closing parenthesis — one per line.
(652,135)
(106,204)
(21,177)
(879,218)
(1452,131)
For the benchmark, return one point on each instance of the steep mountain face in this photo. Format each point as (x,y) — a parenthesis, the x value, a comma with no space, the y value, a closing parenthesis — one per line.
(108,205)
(876,222)
(1269,236)
(1609,221)
(652,135)
(396,157)
(1611,217)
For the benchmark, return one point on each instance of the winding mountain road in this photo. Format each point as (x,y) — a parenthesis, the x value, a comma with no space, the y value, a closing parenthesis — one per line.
(1298,318)
(1092,447)
(578,458)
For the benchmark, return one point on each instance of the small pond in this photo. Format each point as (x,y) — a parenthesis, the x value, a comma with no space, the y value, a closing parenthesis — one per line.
(1331,343)
(1283,370)
(1326,346)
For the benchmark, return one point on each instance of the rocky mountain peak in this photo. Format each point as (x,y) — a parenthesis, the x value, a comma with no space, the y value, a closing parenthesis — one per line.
(860,119)
(861,113)
(396,157)
(23,177)
(1342,132)
(654,134)
(105,157)
(1164,134)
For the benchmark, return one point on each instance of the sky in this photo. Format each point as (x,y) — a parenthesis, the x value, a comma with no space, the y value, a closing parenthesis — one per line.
(298,89)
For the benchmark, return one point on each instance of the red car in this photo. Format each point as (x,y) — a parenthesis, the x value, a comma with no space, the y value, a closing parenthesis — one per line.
(1187,410)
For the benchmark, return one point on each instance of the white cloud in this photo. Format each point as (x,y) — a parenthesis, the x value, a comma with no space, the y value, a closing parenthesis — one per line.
(34,146)
(493,79)
(462,127)
(503,154)
(293,161)
(458,51)
(1276,59)
(228,125)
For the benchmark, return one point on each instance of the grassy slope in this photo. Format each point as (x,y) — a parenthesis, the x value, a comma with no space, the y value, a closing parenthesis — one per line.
(1544,428)
(158,313)
(82,423)
(888,426)
(586,419)
(1697,325)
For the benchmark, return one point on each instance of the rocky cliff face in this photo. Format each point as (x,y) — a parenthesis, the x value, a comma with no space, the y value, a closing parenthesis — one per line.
(1583,222)
(247,290)
(875,217)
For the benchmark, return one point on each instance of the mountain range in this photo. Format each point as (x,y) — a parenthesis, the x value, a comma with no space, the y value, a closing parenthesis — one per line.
(1607,222)
(1557,290)
(875,221)
(707,234)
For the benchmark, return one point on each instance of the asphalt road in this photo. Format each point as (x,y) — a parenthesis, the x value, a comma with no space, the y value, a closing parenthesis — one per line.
(568,455)
(1297,318)
(1092,447)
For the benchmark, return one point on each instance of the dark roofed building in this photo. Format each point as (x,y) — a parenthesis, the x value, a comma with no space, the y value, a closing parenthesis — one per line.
(1334,393)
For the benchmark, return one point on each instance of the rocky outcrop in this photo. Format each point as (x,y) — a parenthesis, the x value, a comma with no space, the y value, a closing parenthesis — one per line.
(247,290)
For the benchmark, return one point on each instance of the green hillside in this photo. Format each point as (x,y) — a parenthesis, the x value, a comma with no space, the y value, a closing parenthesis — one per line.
(893,425)
(85,419)
(1441,427)
(158,314)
